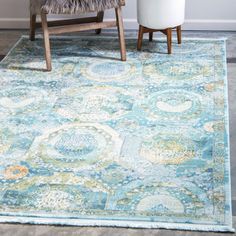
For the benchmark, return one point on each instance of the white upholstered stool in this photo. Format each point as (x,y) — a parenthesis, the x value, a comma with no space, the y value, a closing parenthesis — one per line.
(160,15)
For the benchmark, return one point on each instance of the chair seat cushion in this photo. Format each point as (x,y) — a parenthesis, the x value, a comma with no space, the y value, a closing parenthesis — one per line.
(72,6)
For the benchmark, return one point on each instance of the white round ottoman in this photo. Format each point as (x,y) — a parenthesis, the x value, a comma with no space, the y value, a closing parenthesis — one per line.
(160,15)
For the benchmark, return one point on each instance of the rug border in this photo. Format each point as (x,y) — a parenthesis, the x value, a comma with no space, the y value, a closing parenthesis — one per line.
(127,37)
(117,224)
(140,224)
(227,113)
(101,37)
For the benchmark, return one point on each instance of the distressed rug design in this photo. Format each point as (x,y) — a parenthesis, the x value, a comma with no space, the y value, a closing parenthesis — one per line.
(99,142)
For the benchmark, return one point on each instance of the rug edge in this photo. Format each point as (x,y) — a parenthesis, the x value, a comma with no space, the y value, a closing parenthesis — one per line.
(12,48)
(228,188)
(117,224)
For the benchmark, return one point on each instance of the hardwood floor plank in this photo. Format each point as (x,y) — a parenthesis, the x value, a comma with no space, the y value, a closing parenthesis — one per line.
(231,60)
(1,57)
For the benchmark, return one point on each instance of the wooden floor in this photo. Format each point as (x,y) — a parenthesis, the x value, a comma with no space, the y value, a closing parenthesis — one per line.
(9,37)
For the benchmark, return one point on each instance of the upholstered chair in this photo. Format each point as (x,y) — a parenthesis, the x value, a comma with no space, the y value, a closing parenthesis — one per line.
(75,7)
(160,15)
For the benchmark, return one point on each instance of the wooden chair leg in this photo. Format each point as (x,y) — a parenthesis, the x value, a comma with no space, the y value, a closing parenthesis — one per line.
(151,36)
(100,17)
(32,27)
(120,27)
(169,40)
(46,41)
(140,37)
(179,34)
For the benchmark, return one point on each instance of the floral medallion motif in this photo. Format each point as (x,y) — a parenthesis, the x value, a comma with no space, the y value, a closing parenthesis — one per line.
(175,149)
(16,172)
(75,146)
(109,71)
(100,103)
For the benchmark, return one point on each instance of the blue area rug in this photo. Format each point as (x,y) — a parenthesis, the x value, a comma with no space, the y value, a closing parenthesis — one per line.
(99,142)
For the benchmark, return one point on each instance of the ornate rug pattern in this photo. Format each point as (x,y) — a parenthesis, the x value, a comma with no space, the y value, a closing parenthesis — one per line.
(101,142)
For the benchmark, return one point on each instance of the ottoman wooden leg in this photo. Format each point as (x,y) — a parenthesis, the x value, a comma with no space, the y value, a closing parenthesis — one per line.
(32,26)
(151,36)
(169,39)
(179,34)
(46,41)
(140,37)
(100,17)
(120,27)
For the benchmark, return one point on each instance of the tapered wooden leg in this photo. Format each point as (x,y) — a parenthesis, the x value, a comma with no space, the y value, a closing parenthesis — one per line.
(151,36)
(46,41)
(100,17)
(169,40)
(120,27)
(32,26)
(179,34)
(140,37)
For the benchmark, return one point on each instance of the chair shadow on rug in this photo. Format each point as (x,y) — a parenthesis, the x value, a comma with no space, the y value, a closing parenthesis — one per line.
(157,46)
